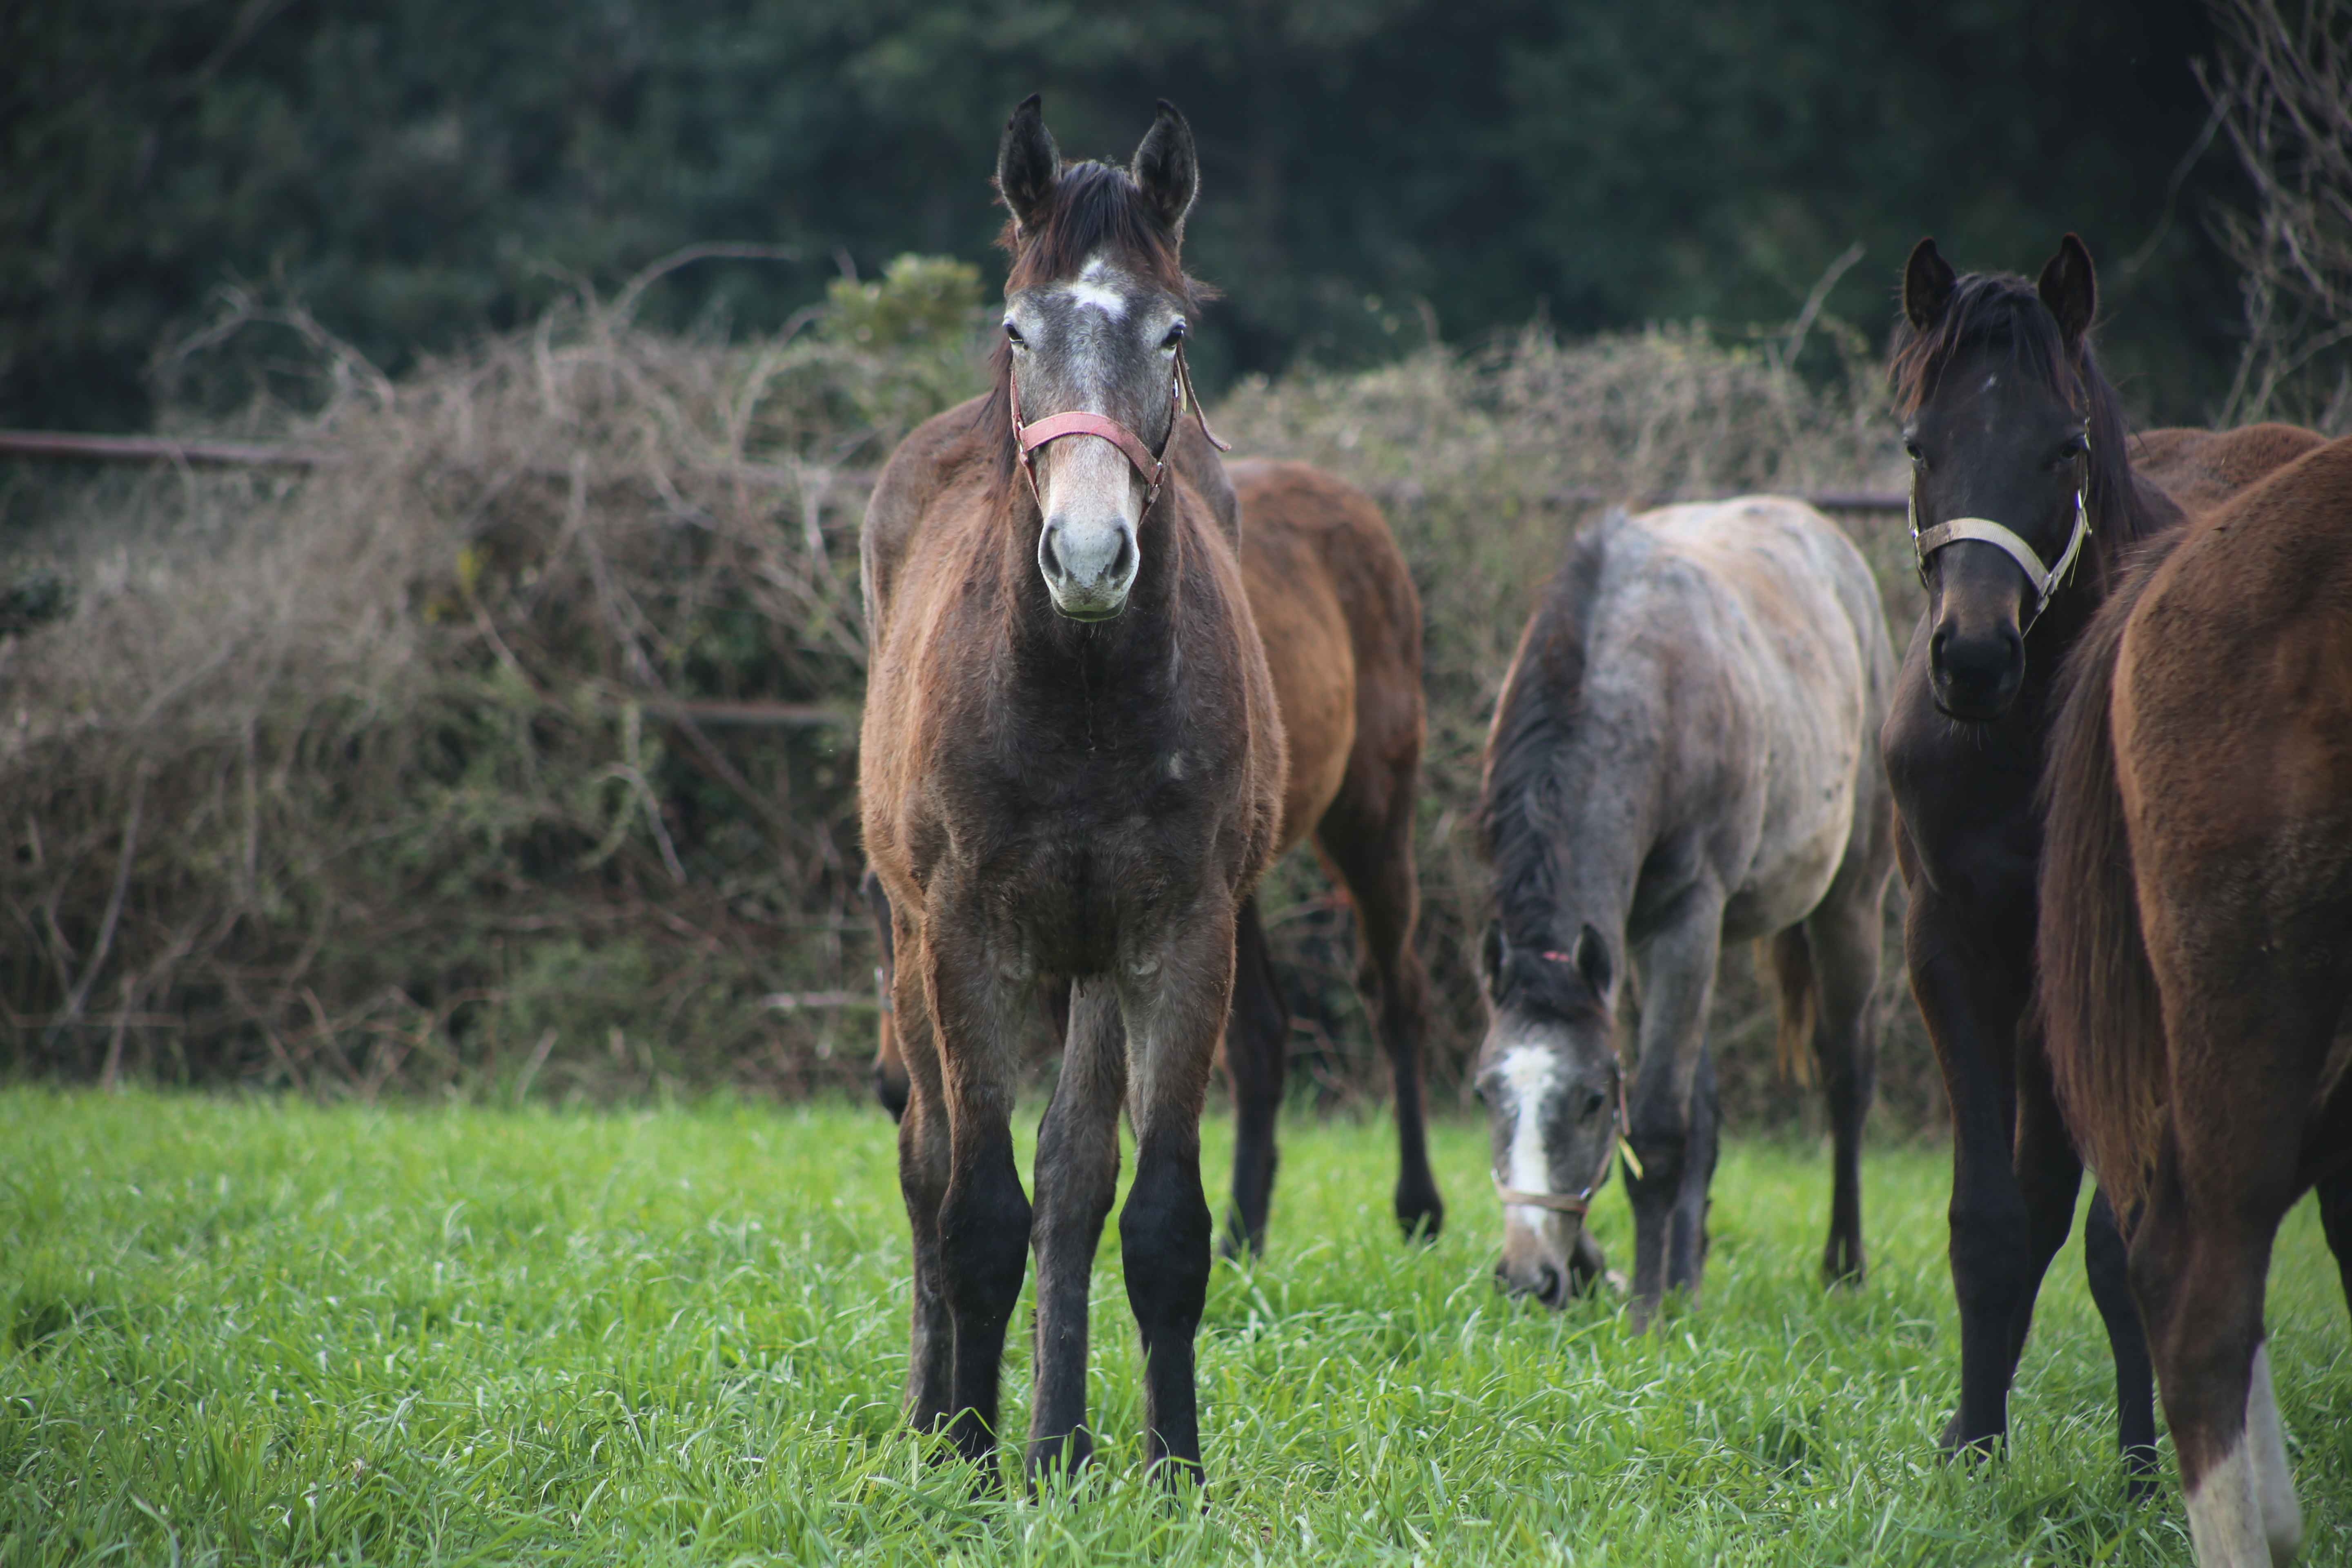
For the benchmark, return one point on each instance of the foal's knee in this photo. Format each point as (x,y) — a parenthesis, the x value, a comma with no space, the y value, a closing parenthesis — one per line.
(984,1241)
(1163,1235)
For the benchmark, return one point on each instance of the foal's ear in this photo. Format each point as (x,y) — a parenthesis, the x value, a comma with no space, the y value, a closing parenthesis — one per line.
(1492,953)
(1927,282)
(1167,167)
(1592,962)
(2071,290)
(1028,165)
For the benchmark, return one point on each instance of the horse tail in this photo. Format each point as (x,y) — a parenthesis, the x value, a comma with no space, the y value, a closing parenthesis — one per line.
(2101,1018)
(1790,958)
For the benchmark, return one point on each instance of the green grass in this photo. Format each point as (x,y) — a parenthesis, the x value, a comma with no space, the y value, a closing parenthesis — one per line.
(242,1331)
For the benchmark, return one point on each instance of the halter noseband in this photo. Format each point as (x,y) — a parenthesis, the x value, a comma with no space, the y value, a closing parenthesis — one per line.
(1578,1202)
(1153,466)
(2044,581)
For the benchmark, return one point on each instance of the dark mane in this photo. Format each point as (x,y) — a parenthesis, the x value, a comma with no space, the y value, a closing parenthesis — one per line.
(2001,308)
(1520,810)
(1095,207)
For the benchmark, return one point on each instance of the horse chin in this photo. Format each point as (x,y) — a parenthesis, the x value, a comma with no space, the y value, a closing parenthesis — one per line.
(1969,708)
(1088,610)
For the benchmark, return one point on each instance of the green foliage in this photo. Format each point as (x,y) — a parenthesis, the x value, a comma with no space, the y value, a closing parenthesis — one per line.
(257,1332)
(418,171)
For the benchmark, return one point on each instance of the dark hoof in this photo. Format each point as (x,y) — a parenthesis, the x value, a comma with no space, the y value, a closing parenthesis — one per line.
(1235,1244)
(1955,1444)
(1419,1214)
(2140,1474)
(1842,1267)
(1059,1463)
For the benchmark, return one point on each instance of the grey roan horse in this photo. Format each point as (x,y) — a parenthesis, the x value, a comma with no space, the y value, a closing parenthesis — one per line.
(1682,755)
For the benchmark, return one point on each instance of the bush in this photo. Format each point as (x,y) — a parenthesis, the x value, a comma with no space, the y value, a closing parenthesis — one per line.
(515,749)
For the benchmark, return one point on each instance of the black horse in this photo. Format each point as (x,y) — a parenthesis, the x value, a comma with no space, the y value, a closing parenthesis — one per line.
(2023,503)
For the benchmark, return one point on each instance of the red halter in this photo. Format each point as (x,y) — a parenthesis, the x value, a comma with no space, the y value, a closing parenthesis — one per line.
(1054,427)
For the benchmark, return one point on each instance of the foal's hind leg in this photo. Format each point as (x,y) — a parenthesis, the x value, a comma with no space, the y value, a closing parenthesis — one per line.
(1368,835)
(923,1184)
(2334,1190)
(1078,1171)
(1257,1060)
(1842,939)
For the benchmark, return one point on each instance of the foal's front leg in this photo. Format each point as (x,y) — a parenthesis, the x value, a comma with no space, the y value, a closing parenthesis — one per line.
(1672,1133)
(984,1224)
(1078,1172)
(1174,999)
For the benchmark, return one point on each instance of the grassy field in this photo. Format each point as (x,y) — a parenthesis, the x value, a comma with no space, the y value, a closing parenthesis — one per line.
(258,1331)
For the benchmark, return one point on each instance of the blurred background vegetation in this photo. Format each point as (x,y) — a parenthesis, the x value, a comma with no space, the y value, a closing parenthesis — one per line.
(418,171)
(513,751)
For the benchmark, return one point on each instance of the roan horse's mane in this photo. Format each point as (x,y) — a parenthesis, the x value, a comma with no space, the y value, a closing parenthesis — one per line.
(2001,308)
(1520,810)
(1094,208)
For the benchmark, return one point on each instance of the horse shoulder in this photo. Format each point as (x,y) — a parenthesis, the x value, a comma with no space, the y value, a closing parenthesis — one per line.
(934,457)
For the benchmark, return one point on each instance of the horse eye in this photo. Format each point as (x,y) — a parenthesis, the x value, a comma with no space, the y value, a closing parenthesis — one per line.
(1012,335)
(1175,335)
(1916,455)
(1594,1101)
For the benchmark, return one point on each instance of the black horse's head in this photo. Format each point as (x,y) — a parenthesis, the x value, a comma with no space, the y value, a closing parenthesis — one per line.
(2016,448)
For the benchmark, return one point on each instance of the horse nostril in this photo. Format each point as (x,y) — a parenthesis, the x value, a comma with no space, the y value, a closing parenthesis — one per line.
(1123,562)
(1551,1289)
(1049,557)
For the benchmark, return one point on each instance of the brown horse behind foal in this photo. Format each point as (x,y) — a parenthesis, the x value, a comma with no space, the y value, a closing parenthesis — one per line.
(1073,769)
(2195,946)
(1341,626)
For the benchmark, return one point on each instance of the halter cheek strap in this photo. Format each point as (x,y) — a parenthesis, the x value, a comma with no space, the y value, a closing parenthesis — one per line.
(1151,465)
(2044,581)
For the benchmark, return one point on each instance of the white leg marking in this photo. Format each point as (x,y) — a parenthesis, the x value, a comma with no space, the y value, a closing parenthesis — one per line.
(2224,1519)
(2274,1481)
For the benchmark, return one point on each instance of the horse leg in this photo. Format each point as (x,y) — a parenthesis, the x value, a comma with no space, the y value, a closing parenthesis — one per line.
(923,1183)
(1257,1060)
(1687,1226)
(1677,978)
(1841,942)
(2049,1174)
(983,1224)
(1972,1021)
(1368,835)
(2198,1266)
(2334,1190)
(2107,1262)
(1078,1172)
(889,1058)
(1172,1015)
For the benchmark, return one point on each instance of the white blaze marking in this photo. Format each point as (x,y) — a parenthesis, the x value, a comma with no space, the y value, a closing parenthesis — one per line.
(1530,1074)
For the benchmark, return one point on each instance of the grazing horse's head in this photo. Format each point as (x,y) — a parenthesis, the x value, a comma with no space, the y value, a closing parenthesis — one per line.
(2015,442)
(1549,1073)
(1090,375)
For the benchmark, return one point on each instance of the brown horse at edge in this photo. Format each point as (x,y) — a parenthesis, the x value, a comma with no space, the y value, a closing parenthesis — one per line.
(2195,948)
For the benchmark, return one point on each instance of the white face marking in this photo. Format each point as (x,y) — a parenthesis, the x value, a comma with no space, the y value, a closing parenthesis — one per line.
(1092,288)
(1530,1074)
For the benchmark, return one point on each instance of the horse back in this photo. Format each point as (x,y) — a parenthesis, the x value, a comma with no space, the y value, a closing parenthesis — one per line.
(1341,624)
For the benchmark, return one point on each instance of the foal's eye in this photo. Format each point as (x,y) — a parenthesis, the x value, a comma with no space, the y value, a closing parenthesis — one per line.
(1012,335)
(1594,1101)
(1175,335)
(1916,455)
